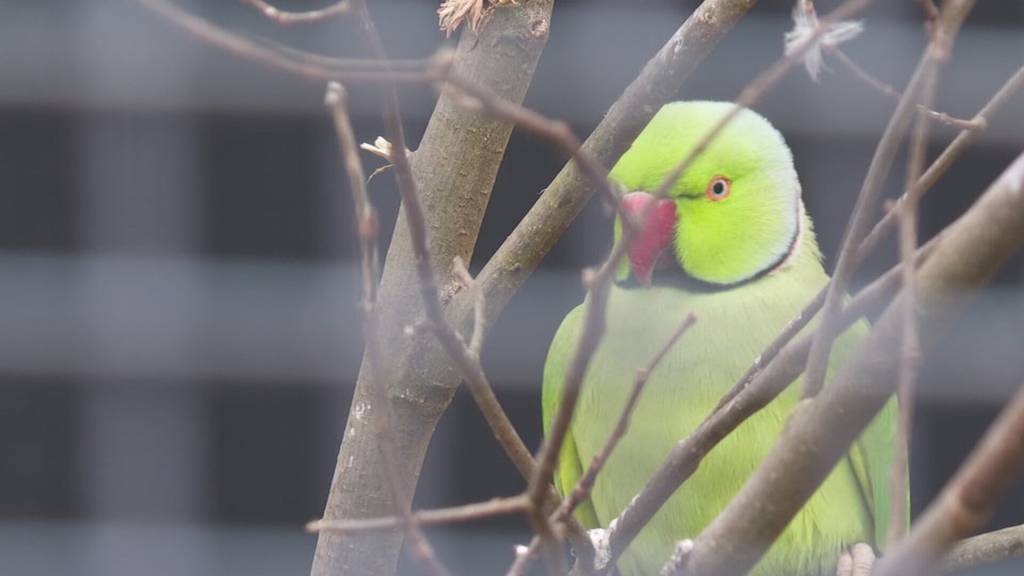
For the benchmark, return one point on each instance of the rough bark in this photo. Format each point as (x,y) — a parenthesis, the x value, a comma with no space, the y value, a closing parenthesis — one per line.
(455,167)
(985,549)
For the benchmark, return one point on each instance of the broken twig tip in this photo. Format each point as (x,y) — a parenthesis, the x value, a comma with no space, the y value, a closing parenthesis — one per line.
(334,95)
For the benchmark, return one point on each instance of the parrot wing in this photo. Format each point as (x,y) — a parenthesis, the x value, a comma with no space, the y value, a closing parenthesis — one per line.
(570,468)
(871,455)
(871,458)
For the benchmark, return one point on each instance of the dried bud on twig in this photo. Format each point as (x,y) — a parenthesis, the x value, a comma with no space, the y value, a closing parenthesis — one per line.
(453,13)
(805,23)
(380,147)
(383,148)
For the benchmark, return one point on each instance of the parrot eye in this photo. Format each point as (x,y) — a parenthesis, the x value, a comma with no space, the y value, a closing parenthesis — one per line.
(718,188)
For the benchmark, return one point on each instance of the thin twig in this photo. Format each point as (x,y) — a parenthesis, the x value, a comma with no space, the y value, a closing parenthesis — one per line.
(308,66)
(476,338)
(867,202)
(758,87)
(772,351)
(285,17)
(586,482)
(910,354)
(886,89)
(931,15)
(598,284)
(968,500)
(381,411)
(581,490)
(557,132)
(988,548)
(452,515)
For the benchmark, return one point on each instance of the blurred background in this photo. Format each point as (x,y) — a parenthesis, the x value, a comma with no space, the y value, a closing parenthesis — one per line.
(178,285)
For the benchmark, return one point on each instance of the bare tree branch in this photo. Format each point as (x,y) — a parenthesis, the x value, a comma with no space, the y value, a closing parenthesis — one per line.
(556,132)
(953,15)
(306,65)
(285,17)
(380,411)
(985,549)
(821,430)
(452,515)
(598,284)
(888,90)
(969,499)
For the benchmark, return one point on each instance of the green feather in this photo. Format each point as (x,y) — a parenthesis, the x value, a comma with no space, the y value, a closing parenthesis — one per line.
(732,240)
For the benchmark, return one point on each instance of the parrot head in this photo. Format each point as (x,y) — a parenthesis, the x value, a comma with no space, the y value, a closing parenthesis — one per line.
(734,214)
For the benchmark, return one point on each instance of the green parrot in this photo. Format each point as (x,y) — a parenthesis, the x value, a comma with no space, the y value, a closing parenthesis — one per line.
(732,244)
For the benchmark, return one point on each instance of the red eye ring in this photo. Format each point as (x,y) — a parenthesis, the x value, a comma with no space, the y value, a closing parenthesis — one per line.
(718,189)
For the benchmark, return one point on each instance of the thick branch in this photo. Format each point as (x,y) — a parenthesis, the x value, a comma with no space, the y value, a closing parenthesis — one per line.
(821,431)
(380,412)
(985,549)
(421,378)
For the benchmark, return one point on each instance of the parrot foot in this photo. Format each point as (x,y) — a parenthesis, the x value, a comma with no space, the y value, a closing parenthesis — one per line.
(858,561)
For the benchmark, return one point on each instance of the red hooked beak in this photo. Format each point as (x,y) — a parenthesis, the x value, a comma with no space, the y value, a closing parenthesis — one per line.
(653,236)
